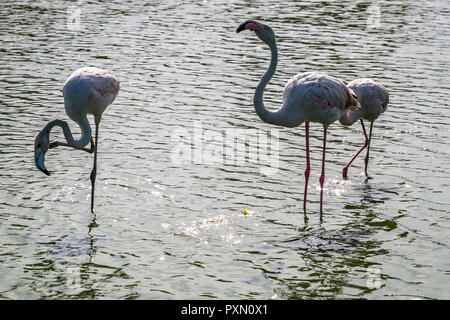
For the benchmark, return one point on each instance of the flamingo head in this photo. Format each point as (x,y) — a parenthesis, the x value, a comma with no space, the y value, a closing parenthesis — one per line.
(264,32)
(41,146)
(354,101)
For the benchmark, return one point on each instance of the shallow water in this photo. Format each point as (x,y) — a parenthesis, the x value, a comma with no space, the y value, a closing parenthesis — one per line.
(172,227)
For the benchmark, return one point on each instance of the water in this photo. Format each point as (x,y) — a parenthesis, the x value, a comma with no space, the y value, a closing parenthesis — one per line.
(173,228)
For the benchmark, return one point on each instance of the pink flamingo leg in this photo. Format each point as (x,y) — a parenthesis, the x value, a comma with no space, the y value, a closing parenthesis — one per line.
(94,169)
(308,168)
(366,143)
(368,148)
(322,176)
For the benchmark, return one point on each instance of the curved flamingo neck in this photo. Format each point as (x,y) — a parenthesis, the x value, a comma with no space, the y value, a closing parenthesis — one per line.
(279,117)
(258,97)
(266,115)
(85,132)
(350,116)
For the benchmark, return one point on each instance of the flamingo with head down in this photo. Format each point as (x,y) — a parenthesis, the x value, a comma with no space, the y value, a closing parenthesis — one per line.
(374,100)
(87,91)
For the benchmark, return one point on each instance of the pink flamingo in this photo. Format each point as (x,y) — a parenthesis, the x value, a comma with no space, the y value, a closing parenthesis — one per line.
(307,97)
(87,91)
(374,99)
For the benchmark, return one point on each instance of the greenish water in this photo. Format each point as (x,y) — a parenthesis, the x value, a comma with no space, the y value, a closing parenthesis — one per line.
(173,228)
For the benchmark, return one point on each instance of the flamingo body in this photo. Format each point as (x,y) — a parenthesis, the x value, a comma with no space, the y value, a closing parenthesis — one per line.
(374,99)
(317,97)
(89,90)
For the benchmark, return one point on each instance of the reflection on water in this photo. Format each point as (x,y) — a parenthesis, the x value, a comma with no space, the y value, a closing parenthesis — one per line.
(176,230)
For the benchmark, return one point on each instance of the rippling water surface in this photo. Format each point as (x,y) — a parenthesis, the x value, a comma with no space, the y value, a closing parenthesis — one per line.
(171,226)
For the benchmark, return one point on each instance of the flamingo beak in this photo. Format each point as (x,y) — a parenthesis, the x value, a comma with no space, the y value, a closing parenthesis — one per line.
(39,161)
(356,98)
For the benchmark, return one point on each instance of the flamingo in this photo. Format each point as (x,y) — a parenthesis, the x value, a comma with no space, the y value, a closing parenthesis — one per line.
(374,99)
(307,97)
(88,90)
